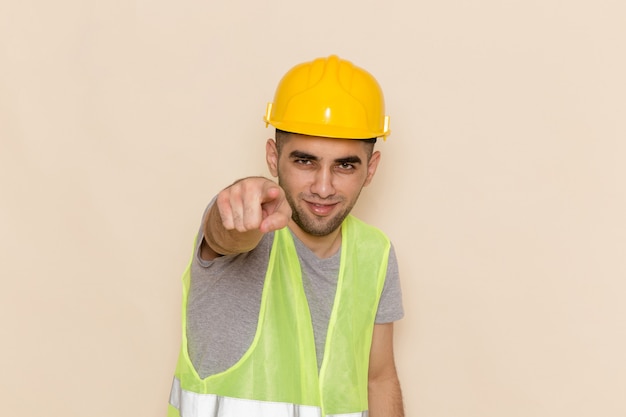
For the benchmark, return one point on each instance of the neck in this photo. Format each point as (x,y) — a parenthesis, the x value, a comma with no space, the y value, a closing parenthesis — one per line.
(322,246)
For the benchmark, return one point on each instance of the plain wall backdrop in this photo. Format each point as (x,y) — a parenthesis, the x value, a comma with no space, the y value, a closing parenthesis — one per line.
(501,186)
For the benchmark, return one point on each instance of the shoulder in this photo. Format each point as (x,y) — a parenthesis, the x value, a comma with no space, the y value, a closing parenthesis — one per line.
(362,231)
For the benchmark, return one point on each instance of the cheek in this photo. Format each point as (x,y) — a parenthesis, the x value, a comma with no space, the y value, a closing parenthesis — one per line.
(294,176)
(290,179)
(350,186)
(355,188)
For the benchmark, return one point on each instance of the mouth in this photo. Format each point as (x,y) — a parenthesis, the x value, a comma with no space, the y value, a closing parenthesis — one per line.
(320,209)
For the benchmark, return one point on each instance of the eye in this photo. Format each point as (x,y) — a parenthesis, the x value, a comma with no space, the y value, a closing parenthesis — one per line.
(302,161)
(346,166)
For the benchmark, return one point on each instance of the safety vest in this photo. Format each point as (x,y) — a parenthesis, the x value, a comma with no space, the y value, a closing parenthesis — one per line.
(278,375)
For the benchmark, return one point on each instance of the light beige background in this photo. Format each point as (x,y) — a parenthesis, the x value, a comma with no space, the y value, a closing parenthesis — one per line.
(502,187)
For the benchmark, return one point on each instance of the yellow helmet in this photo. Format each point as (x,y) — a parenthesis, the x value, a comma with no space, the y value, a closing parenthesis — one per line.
(329,97)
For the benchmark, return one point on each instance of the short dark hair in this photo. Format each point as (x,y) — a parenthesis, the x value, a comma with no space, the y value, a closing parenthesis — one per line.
(282,135)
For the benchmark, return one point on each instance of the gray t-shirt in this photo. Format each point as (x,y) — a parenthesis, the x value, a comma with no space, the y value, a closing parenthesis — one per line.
(225,297)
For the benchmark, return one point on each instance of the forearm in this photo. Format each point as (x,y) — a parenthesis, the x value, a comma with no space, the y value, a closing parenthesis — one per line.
(385,398)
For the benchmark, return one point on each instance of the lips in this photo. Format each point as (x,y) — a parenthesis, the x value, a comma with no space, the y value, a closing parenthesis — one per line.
(321,209)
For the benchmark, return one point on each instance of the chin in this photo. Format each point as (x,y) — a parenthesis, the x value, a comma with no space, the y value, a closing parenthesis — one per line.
(314,227)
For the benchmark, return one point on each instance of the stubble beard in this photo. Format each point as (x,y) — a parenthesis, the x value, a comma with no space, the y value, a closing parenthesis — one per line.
(311,224)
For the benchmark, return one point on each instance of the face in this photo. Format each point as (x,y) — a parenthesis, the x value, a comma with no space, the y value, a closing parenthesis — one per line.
(322,178)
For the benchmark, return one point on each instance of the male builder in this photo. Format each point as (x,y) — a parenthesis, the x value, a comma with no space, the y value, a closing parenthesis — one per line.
(289,301)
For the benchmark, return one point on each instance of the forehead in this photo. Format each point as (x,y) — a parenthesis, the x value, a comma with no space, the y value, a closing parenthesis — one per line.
(324,147)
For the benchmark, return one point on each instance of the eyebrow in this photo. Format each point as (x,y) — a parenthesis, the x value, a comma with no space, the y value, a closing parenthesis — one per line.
(302,155)
(353,159)
(349,160)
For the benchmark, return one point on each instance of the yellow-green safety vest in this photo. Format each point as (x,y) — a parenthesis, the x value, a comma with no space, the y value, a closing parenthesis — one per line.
(278,375)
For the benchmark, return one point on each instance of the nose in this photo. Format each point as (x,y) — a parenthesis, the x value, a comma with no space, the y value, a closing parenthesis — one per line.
(322,185)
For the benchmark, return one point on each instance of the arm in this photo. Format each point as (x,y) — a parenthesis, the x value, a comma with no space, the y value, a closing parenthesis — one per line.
(240,216)
(385,396)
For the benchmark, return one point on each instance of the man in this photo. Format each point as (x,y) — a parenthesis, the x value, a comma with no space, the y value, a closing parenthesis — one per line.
(289,301)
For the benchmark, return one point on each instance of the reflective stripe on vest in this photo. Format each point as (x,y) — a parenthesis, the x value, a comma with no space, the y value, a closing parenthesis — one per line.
(192,404)
(280,368)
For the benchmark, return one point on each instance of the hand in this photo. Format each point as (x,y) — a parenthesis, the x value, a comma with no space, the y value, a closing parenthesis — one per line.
(253,203)
(241,214)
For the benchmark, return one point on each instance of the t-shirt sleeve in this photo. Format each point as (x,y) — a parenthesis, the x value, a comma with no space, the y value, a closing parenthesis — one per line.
(390,306)
(200,237)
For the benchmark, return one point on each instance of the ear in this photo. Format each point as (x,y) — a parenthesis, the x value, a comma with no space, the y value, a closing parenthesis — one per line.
(271,157)
(371,167)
